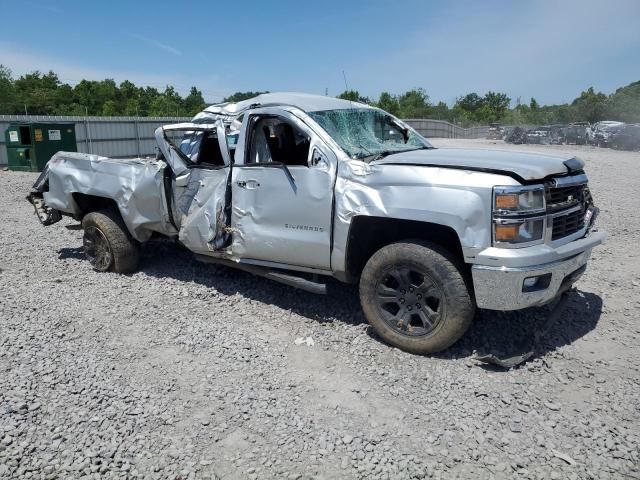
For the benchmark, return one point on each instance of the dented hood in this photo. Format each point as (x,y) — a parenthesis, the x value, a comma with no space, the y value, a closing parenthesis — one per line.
(524,166)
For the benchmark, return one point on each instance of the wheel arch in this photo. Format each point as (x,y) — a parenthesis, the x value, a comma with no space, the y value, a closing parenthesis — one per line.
(368,234)
(92,203)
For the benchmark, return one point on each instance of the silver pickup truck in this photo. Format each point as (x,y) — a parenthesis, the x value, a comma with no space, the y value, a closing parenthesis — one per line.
(298,188)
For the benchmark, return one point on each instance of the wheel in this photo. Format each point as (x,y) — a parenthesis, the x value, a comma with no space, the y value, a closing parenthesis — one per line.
(107,243)
(415,296)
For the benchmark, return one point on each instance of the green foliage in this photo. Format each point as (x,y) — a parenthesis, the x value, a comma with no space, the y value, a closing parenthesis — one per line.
(389,103)
(624,104)
(354,96)
(44,94)
(472,108)
(590,105)
(414,104)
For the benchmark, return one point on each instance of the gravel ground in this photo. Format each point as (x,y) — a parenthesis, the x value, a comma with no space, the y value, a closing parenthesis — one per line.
(186,370)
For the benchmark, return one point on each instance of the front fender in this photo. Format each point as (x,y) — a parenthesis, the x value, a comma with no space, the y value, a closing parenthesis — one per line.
(459,199)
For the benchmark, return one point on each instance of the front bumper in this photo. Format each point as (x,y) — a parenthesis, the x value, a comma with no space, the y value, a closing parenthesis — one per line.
(503,287)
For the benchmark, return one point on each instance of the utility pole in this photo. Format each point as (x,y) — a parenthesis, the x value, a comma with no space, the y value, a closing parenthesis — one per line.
(25,110)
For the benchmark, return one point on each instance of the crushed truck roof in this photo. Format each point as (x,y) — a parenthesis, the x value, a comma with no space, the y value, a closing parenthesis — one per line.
(303,101)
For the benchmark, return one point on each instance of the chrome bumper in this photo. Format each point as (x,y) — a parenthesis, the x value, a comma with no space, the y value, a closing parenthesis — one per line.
(502,287)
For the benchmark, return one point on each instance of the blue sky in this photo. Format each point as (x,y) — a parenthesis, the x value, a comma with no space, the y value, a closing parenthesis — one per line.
(550,50)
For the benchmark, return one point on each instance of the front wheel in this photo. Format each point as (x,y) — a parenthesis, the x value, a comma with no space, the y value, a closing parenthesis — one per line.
(415,297)
(108,245)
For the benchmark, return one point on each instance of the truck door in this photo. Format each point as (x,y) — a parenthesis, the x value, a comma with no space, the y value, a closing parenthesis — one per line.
(200,204)
(282,192)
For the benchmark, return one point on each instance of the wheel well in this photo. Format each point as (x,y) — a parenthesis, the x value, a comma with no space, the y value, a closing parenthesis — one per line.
(91,203)
(367,235)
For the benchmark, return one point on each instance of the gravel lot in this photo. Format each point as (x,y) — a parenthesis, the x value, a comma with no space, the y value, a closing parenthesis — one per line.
(186,370)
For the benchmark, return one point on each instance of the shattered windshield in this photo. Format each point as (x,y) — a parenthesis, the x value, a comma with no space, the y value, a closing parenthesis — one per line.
(367,133)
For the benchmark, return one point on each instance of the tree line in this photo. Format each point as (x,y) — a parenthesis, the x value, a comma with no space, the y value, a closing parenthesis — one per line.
(474,109)
(39,93)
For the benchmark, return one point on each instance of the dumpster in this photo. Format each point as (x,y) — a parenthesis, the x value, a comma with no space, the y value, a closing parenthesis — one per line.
(31,145)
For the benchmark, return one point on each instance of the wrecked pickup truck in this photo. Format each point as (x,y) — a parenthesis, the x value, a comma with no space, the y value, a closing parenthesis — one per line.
(298,188)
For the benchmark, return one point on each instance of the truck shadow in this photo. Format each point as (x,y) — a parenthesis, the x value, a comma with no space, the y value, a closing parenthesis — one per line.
(503,334)
(510,334)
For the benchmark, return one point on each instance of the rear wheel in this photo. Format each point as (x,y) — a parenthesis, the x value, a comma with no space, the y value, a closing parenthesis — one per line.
(415,296)
(108,245)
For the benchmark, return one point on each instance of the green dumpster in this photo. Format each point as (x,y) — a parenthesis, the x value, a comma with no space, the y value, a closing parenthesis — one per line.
(31,145)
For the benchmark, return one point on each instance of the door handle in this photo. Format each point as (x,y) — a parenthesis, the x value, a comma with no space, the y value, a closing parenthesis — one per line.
(249,184)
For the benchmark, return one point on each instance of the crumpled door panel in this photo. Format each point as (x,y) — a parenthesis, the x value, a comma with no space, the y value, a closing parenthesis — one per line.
(202,206)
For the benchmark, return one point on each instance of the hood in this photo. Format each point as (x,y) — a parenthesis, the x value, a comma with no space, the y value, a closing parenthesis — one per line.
(521,165)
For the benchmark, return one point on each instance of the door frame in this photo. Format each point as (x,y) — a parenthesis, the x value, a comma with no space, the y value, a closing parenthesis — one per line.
(320,149)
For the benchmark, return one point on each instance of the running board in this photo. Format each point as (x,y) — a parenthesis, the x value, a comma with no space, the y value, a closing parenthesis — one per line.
(278,276)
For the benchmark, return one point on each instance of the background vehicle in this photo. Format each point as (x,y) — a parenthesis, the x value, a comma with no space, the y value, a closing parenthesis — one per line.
(516,135)
(496,132)
(626,137)
(598,133)
(539,135)
(316,186)
(576,134)
(557,134)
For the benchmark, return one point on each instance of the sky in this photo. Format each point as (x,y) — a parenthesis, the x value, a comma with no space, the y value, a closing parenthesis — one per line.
(550,50)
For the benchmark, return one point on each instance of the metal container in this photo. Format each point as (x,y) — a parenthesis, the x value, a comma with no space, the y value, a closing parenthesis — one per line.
(31,145)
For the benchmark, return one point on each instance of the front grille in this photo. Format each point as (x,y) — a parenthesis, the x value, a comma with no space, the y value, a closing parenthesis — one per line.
(564,225)
(562,197)
(575,199)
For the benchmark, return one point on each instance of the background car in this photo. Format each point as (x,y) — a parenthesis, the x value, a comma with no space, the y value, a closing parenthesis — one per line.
(576,134)
(541,134)
(598,133)
(626,137)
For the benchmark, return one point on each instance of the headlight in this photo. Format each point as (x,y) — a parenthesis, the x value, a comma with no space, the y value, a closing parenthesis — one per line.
(522,231)
(518,200)
(517,220)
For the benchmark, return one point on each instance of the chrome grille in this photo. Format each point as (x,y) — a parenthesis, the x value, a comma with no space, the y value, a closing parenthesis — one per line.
(567,205)
(559,198)
(564,225)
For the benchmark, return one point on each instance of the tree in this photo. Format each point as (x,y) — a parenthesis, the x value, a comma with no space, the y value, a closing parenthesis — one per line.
(168,103)
(194,102)
(109,108)
(492,107)
(496,105)
(7,99)
(354,96)
(590,105)
(38,92)
(470,103)
(389,103)
(414,104)
(624,104)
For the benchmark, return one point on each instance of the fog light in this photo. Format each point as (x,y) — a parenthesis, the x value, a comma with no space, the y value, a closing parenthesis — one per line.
(534,284)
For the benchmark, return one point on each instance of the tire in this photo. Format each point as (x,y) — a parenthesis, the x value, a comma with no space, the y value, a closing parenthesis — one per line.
(108,245)
(429,315)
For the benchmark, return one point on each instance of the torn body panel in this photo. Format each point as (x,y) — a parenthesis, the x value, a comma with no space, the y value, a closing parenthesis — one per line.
(201,190)
(136,186)
(201,208)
